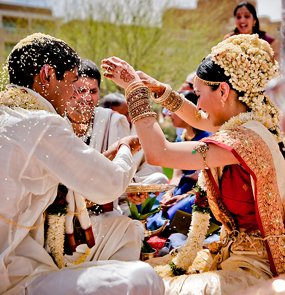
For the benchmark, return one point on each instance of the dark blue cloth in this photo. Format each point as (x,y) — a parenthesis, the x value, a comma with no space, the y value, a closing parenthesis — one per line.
(185,185)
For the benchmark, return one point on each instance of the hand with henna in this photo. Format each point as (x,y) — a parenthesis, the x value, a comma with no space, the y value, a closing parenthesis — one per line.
(120,72)
(152,84)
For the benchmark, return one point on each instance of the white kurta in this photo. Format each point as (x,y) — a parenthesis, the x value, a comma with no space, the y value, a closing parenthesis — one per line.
(39,150)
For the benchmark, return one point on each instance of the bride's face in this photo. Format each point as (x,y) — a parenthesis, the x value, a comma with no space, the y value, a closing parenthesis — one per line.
(209,101)
(80,106)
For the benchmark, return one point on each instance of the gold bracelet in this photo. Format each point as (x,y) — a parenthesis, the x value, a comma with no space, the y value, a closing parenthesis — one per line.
(144,115)
(138,104)
(202,148)
(174,101)
(170,99)
(164,96)
(133,86)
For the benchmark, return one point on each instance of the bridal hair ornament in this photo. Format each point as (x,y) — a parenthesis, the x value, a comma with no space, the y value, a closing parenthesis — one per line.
(249,63)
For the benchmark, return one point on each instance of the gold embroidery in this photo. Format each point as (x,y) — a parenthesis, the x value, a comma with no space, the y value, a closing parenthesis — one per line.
(254,151)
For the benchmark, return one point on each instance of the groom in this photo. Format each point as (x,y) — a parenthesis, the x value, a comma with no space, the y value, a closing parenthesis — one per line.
(38,151)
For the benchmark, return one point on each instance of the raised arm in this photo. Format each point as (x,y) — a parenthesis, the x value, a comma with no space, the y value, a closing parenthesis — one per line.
(80,167)
(158,151)
(188,111)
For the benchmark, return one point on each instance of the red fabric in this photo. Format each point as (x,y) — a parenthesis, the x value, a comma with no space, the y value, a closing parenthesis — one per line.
(156,242)
(240,200)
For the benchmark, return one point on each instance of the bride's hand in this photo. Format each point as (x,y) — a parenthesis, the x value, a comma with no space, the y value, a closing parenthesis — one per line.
(119,71)
(152,84)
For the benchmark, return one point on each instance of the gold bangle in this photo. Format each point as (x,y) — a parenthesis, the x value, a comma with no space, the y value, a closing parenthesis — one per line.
(174,101)
(164,96)
(133,86)
(138,104)
(170,99)
(144,115)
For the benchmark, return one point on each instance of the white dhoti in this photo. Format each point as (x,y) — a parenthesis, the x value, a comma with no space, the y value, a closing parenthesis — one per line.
(102,278)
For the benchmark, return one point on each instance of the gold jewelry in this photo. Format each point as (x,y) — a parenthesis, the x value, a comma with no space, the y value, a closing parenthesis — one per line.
(165,94)
(202,148)
(138,104)
(208,83)
(132,87)
(170,99)
(17,225)
(198,115)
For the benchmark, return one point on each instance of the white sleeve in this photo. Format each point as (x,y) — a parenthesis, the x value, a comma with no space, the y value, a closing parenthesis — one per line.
(78,166)
(119,128)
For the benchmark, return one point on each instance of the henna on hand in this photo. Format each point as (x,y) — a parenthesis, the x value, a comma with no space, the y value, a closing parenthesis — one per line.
(126,76)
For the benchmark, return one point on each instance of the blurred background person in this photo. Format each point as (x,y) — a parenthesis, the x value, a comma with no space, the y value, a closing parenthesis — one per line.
(247,22)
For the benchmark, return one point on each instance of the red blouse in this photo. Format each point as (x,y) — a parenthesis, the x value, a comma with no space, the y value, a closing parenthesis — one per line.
(237,196)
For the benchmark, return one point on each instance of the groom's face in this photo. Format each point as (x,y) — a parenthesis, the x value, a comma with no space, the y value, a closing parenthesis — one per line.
(60,91)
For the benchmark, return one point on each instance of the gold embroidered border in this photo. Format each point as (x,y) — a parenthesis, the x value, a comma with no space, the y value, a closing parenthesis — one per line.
(254,151)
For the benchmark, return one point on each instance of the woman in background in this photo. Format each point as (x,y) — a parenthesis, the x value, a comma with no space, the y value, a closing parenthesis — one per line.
(247,22)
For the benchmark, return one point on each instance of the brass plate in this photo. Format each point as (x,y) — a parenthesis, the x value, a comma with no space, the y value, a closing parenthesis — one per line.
(148,188)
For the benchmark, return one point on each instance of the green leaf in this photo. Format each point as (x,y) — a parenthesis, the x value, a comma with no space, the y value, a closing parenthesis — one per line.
(147,205)
(146,215)
(134,211)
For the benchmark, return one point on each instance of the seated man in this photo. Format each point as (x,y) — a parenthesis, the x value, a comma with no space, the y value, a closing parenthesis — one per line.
(38,151)
(117,237)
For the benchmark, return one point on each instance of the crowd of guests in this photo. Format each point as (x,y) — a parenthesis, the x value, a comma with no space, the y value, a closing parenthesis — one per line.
(68,156)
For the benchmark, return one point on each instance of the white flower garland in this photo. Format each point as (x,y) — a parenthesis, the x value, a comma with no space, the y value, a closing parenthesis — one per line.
(243,118)
(187,256)
(196,236)
(19,97)
(249,63)
(55,237)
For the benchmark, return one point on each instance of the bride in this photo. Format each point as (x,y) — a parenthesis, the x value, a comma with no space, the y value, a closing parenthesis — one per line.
(242,162)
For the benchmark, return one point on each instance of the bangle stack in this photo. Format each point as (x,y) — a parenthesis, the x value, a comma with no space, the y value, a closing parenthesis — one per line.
(133,86)
(138,104)
(170,99)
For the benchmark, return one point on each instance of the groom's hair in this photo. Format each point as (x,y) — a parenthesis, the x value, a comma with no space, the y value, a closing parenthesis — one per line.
(36,50)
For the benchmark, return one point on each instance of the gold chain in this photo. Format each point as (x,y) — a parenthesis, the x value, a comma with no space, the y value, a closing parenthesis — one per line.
(16,224)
